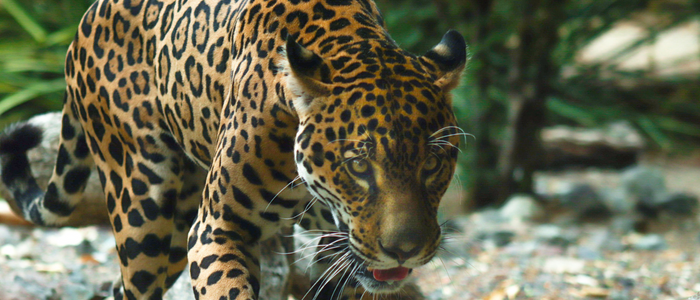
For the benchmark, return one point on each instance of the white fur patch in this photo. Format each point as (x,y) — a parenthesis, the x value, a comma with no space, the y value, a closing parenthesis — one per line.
(442,50)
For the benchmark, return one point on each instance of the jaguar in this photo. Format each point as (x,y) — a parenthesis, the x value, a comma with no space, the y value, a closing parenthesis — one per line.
(214,124)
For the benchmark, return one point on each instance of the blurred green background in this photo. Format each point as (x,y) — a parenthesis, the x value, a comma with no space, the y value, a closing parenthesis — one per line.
(533,63)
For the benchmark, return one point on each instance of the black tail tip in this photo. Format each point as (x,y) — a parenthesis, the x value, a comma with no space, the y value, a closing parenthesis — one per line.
(19,138)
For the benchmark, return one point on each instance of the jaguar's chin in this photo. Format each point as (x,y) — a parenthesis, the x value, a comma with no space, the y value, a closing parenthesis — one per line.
(377,281)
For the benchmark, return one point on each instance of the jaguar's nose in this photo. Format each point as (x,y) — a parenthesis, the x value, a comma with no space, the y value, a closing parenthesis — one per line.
(401,251)
(408,227)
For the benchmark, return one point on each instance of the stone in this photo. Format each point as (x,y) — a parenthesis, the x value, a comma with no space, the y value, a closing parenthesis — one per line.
(623,224)
(560,265)
(485,219)
(617,200)
(588,253)
(498,238)
(583,200)
(616,145)
(645,185)
(650,242)
(679,204)
(521,208)
(182,289)
(553,235)
(620,295)
(603,240)
(76,291)
(502,237)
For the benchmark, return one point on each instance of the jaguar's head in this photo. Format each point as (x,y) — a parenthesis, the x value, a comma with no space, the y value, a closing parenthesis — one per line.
(377,142)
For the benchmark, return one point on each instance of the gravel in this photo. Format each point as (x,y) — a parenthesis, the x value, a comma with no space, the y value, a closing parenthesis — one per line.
(594,264)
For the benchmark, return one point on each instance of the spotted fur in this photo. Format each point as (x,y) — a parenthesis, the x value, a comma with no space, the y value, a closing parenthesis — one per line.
(200,117)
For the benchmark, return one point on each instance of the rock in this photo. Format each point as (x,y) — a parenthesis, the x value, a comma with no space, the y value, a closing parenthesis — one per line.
(553,235)
(29,287)
(592,292)
(9,236)
(645,185)
(76,291)
(617,200)
(502,237)
(679,204)
(560,265)
(626,283)
(482,220)
(69,236)
(275,267)
(588,253)
(498,238)
(620,295)
(182,289)
(548,231)
(603,239)
(623,224)
(651,242)
(583,200)
(616,145)
(521,208)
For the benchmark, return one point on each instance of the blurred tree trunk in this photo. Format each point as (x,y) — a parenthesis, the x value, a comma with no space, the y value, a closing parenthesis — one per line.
(532,70)
(505,163)
(485,176)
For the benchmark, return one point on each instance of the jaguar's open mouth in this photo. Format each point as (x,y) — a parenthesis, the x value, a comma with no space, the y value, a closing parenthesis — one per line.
(383,280)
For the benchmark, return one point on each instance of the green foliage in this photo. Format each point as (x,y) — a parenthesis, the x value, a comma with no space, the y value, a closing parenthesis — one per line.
(34,37)
(665,109)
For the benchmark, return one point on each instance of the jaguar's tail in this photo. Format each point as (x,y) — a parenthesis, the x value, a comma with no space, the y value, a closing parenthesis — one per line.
(53,206)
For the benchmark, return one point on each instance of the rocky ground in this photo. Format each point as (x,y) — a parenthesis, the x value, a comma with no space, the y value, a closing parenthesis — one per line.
(591,235)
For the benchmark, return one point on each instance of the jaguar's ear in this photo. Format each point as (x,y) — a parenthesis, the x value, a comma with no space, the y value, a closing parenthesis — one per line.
(450,56)
(308,76)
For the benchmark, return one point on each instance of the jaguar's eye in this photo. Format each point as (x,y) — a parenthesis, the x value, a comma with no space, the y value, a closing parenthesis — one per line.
(359,166)
(432,164)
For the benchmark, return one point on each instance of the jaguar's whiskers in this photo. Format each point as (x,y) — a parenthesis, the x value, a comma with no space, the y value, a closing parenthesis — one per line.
(441,141)
(284,188)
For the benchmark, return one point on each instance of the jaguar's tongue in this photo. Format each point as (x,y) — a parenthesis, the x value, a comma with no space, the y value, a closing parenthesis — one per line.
(396,274)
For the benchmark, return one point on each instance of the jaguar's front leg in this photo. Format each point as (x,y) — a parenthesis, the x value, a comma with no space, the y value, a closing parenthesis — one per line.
(223,249)
(239,209)
(223,265)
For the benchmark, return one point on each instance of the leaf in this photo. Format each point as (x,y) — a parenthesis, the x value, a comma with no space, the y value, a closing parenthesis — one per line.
(671,124)
(654,132)
(570,111)
(62,36)
(31,92)
(25,20)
